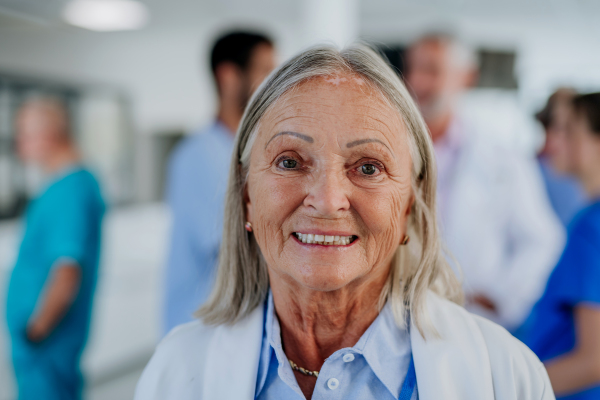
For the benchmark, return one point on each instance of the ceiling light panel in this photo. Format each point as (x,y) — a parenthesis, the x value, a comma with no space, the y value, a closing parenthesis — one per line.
(106,15)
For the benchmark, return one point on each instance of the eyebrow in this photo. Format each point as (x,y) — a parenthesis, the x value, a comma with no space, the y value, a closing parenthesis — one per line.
(364,141)
(295,134)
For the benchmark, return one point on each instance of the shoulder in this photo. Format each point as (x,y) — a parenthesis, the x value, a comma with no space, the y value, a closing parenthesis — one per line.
(496,155)
(516,371)
(587,223)
(513,364)
(77,186)
(202,143)
(177,366)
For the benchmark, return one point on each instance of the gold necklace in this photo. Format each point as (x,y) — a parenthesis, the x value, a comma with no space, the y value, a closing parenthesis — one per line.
(302,370)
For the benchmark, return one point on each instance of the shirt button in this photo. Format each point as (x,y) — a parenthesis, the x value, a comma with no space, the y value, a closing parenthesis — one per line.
(333,383)
(348,357)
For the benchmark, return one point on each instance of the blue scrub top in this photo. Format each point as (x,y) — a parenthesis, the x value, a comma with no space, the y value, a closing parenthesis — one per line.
(565,193)
(64,222)
(550,329)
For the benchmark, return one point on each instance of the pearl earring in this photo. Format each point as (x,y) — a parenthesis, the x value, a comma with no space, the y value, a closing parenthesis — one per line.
(248,226)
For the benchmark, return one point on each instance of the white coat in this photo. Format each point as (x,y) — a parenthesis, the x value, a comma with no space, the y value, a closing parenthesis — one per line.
(473,359)
(499,225)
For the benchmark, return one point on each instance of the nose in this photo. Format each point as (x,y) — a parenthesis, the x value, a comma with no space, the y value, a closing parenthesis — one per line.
(328,194)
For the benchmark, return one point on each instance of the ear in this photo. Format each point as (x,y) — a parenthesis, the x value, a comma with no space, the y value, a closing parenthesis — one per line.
(470,78)
(409,208)
(411,203)
(247,204)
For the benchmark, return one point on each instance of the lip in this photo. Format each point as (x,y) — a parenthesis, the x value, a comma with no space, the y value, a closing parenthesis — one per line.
(325,247)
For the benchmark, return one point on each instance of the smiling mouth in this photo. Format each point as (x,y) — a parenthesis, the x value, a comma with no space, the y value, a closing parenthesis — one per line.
(325,240)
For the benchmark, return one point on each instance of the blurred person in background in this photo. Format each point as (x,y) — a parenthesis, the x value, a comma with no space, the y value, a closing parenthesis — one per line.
(198,171)
(565,193)
(564,326)
(53,282)
(495,216)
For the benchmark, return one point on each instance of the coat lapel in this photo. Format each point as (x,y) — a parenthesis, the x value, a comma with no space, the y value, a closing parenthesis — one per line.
(232,359)
(455,366)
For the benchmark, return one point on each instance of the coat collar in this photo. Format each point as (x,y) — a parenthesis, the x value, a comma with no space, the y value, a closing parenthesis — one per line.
(455,366)
(232,359)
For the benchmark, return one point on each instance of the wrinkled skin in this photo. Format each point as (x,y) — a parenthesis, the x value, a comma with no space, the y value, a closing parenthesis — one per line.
(327,190)
(345,169)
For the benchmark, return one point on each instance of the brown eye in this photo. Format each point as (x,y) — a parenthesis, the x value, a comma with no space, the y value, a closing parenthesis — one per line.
(289,164)
(368,169)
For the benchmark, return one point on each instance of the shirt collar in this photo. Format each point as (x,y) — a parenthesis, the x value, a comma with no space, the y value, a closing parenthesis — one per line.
(453,138)
(387,349)
(385,346)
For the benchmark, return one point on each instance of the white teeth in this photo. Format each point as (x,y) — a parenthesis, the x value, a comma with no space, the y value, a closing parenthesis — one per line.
(327,240)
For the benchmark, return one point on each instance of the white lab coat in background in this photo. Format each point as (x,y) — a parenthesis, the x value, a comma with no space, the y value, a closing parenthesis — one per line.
(498,224)
(472,359)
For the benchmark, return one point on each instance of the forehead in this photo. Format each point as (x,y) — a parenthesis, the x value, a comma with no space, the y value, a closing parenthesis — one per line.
(428,50)
(342,102)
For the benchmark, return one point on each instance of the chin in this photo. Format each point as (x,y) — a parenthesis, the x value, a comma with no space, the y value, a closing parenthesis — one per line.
(324,278)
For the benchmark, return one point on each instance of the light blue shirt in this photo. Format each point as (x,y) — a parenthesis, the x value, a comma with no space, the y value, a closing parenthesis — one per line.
(196,186)
(374,368)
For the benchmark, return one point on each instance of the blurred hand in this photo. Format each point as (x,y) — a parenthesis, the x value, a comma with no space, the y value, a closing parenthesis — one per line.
(484,302)
(38,330)
(61,290)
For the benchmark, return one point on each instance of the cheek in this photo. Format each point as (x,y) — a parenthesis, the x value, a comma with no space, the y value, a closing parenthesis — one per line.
(274,200)
(30,148)
(384,216)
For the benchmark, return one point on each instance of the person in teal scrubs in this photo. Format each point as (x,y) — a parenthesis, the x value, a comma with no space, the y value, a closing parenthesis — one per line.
(52,284)
(564,326)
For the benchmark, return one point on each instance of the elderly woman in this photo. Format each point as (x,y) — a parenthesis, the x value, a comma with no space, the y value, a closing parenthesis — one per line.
(319,293)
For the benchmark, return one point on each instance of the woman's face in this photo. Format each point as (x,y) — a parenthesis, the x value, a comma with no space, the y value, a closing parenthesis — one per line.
(584,149)
(557,143)
(330,164)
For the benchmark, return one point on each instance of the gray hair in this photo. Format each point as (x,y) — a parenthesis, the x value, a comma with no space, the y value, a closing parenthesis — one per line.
(243,282)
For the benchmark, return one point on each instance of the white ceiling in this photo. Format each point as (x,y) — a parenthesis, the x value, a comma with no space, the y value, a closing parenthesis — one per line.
(177,13)
(165,14)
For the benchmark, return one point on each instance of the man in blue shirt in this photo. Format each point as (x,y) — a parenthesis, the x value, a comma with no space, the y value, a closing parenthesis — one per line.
(52,284)
(198,171)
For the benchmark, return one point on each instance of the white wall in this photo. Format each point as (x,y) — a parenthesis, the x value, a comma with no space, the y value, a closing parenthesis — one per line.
(163,69)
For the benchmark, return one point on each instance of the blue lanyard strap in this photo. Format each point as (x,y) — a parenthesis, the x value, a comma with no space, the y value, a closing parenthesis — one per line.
(410,382)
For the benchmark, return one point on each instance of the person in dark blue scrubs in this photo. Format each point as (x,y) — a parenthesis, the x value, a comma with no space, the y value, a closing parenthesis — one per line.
(52,284)
(564,192)
(564,326)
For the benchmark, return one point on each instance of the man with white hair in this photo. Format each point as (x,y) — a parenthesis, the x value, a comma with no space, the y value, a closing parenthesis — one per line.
(496,218)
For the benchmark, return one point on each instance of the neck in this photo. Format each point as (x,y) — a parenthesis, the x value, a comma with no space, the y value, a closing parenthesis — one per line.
(591,186)
(438,126)
(315,324)
(62,157)
(230,115)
